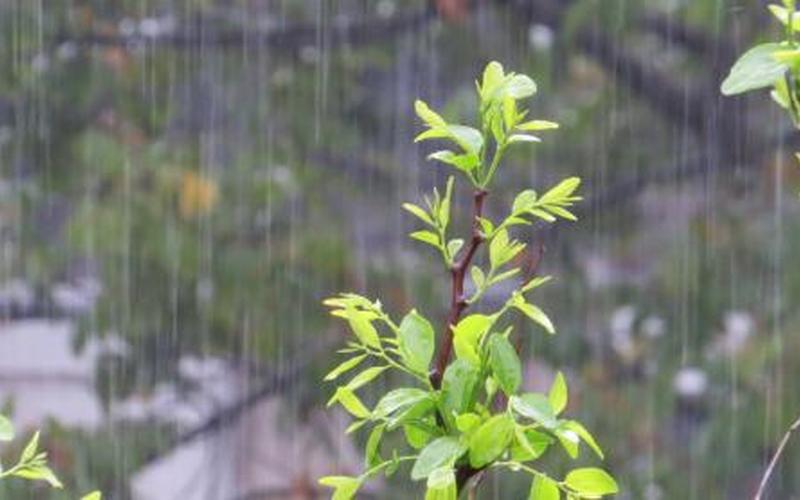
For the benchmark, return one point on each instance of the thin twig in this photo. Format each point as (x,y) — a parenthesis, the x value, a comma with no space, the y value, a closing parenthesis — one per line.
(772,463)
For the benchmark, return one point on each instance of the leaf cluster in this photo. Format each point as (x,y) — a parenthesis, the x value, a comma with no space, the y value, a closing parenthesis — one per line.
(32,463)
(774,65)
(477,417)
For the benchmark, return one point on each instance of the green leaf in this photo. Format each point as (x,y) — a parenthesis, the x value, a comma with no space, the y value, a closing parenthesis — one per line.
(520,87)
(537,125)
(350,402)
(411,414)
(428,237)
(416,338)
(344,367)
(537,315)
(427,115)
(524,201)
(513,138)
(497,248)
(371,450)
(419,212)
(365,377)
(529,445)
(493,77)
(558,393)
(6,429)
(39,472)
(440,452)
(505,364)
(490,440)
(535,283)
(465,162)
(453,246)
(478,278)
(344,487)
(460,385)
(362,328)
(544,488)
(467,422)
(782,14)
(355,426)
(504,275)
(399,399)
(561,192)
(95,495)
(486,226)
(442,485)
(536,407)
(569,439)
(416,435)
(470,139)
(30,449)
(756,69)
(467,335)
(591,481)
(585,435)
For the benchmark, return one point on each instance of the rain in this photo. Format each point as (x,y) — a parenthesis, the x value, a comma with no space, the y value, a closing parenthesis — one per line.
(184,182)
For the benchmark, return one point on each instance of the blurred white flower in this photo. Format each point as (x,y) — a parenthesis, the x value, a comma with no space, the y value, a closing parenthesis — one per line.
(621,326)
(690,382)
(653,327)
(540,37)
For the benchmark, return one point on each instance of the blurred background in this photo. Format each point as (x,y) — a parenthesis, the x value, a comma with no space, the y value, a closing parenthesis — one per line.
(183,181)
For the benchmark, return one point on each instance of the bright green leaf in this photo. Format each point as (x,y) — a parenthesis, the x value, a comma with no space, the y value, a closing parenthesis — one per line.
(467,422)
(537,315)
(524,201)
(419,212)
(350,402)
(490,440)
(442,485)
(344,487)
(344,367)
(440,452)
(591,481)
(362,328)
(427,115)
(513,138)
(399,399)
(585,435)
(505,364)
(558,393)
(417,339)
(537,125)
(459,386)
(365,377)
(544,488)
(371,450)
(756,69)
(536,407)
(520,87)
(428,237)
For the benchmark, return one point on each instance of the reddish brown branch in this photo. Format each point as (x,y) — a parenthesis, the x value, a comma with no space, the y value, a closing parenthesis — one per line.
(458,302)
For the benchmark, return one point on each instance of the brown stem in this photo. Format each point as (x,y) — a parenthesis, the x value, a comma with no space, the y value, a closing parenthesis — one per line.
(458,302)
(772,463)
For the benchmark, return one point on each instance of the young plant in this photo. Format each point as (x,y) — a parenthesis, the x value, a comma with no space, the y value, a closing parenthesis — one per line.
(32,464)
(465,416)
